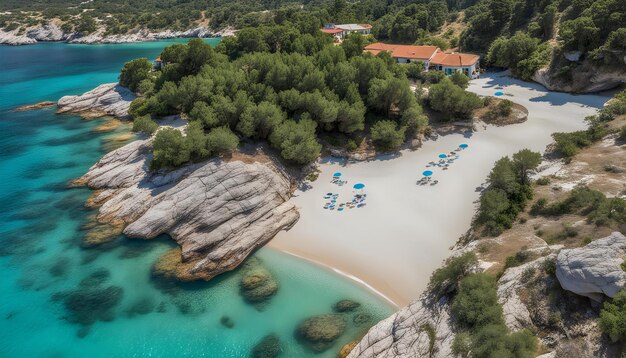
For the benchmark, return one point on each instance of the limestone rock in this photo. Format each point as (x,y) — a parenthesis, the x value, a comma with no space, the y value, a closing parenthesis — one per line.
(594,270)
(110,98)
(12,38)
(47,32)
(218,212)
(320,332)
(516,314)
(403,334)
(586,79)
(268,347)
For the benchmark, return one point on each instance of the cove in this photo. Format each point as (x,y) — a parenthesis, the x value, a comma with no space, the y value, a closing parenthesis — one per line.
(43,263)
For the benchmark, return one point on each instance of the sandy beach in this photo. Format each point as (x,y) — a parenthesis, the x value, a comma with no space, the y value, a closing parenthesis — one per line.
(405,231)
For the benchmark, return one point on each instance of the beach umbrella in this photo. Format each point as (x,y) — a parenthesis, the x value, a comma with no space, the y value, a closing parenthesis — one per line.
(463,146)
(337,175)
(427,173)
(443,156)
(359,186)
(499,93)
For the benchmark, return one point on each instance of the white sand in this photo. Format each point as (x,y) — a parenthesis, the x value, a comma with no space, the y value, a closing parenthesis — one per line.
(405,231)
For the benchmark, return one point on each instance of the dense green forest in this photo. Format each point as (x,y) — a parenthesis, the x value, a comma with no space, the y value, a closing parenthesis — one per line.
(523,35)
(277,83)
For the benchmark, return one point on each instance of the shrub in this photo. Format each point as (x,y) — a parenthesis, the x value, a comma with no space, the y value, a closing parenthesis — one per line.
(134,72)
(445,279)
(386,135)
(543,181)
(452,100)
(144,124)
(296,141)
(613,317)
(221,140)
(169,149)
(476,303)
(459,79)
(519,258)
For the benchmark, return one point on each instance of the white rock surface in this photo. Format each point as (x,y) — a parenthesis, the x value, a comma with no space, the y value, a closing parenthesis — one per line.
(516,314)
(48,32)
(403,334)
(110,98)
(594,270)
(218,212)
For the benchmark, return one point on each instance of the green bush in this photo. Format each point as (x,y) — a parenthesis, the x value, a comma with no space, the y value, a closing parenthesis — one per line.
(134,72)
(445,279)
(296,141)
(543,181)
(144,124)
(386,135)
(459,79)
(613,317)
(451,100)
(170,149)
(221,140)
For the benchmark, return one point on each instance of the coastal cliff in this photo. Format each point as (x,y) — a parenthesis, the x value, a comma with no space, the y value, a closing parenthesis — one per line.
(52,32)
(217,211)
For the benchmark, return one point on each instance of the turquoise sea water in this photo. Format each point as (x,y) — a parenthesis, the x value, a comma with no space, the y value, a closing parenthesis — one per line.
(43,264)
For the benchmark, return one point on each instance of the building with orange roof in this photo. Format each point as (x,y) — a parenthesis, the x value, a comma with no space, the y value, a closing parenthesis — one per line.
(432,57)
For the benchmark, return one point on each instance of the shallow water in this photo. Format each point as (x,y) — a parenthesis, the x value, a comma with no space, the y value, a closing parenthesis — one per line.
(40,232)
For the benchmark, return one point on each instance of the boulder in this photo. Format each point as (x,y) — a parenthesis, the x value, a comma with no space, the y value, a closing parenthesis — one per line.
(217,211)
(320,332)
(594,270)
(257,283)
(268,347)
(402,335)
(107,99)
(346,306)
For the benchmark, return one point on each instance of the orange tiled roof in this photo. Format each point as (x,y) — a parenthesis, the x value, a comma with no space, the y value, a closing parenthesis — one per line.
(331,31)
(454,59)
(404,51)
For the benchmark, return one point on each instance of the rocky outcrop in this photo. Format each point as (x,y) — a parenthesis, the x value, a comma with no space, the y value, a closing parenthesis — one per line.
(516,314)
(107,99)
(594,270)
(47,32)
(584,80)
(52,32)
(40,105)
(13,38)
(217,211)
(407,333)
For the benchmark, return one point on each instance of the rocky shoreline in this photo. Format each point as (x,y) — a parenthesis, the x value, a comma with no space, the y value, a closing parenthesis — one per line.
(51,32)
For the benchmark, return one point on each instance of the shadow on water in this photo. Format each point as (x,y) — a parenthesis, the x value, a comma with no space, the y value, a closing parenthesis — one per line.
(69,140)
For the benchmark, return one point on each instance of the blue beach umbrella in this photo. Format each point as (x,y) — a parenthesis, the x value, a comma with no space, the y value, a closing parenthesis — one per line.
(359,186)
(427,173)
(499,93)
(442,156)
(337,174)
(463,145)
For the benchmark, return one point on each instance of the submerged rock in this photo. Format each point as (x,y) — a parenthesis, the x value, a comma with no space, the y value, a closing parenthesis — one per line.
(107,99)
(217,211)
(257,283)
(227,322)
(594,270)
(85,306)
(320,332)
(142,306)
(40,105)
(268,347)
(346,306)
